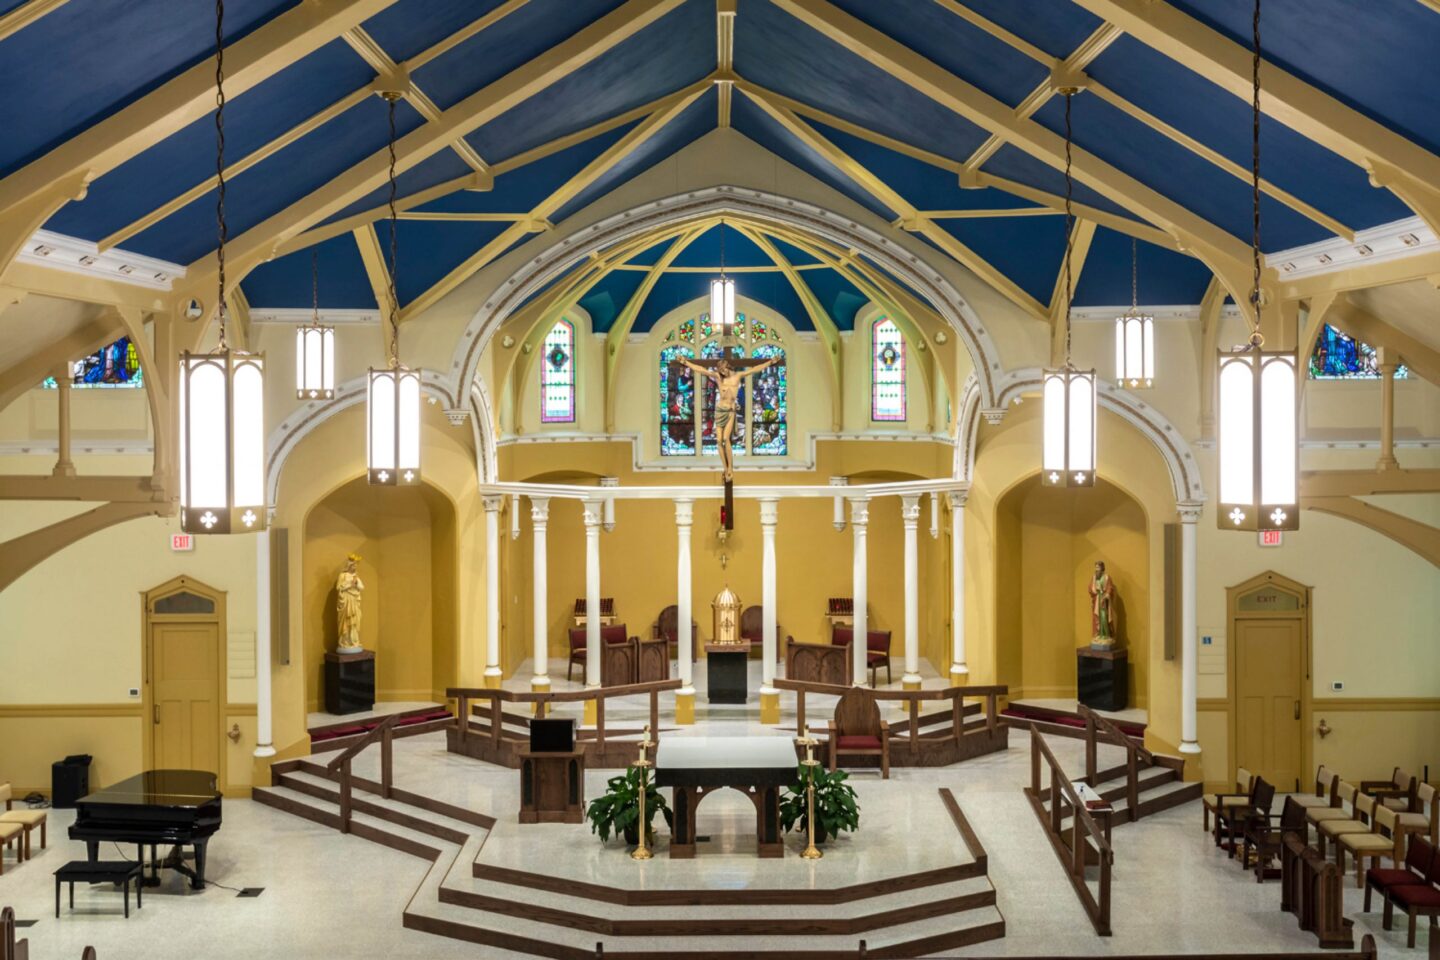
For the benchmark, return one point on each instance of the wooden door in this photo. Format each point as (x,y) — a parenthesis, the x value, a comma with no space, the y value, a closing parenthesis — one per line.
(185,696)
(1268,672)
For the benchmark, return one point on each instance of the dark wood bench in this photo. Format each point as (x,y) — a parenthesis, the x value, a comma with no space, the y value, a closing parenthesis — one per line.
(101,871)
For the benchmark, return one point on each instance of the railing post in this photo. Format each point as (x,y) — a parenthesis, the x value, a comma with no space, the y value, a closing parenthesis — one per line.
(1035,763)
(655,713)
(462,722)
(599,720)
(495,722)
(345,796)
(1132,784)
(957,717)
(992,712)
(800,710)
(1077,844)
(1104,923)
(1090,749)
(1054,801)
(914,724)
(386,761)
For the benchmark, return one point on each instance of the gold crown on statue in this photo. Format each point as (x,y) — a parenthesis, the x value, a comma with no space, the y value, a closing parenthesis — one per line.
(355,558)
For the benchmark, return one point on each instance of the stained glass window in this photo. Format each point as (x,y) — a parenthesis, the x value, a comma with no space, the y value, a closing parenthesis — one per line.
(116,365)
(769,405)
(557,375)
(887,379)
(1341,357)
(677,404)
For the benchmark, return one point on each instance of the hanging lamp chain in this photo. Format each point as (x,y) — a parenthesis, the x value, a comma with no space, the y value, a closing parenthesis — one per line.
(1256,338)
(1069,225)
(1134,277)
(315,286)
(222,229)
(394,305)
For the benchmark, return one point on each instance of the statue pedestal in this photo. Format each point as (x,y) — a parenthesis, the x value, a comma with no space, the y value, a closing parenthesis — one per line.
(350,682)
(1102,678)
(726,672)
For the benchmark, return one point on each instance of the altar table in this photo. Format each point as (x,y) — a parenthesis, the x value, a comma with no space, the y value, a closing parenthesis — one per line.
(694,767)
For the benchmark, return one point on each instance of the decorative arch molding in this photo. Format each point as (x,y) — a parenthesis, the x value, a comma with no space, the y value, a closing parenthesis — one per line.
(1179,458)
(761,206)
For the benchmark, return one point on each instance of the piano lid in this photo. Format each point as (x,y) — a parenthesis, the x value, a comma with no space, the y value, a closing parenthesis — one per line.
(154,788)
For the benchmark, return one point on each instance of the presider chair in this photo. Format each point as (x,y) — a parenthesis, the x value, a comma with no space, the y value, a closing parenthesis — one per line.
(857,730)
(752,625)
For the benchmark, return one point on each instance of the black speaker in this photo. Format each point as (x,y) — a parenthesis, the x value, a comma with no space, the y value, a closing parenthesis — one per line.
(69,780)
(552,735)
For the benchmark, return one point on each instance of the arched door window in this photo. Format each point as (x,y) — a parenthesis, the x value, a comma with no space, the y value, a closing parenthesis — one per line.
(557,375)
(763,428)
(887,377)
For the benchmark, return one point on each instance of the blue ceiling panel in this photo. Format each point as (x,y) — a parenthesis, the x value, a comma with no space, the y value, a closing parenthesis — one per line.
(1164,277)
(737,249)
(1176,172)
(1028,250)
(795,255)
(88,59)
(1012,163)
(187,157)
(427,251)
(513,41)
(440,167)
(1056,26)
(650,255)
(1378,57)
(285,282)
(409,27)
(276,182)
(675,51)
(693,123)
(954,44)
(1289,160)
(670,291)
(837,295)
(754,123)
(608,297)
(777,51)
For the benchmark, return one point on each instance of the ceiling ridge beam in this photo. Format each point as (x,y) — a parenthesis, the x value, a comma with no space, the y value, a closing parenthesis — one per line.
(910,218)
(725,11)
(261,54)
(263,240)
(1224,253)
(26,14)
(1286,98)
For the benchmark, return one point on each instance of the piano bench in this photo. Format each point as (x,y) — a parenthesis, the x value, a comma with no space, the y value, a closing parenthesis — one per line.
(10,834)
(29,820)
(101,871)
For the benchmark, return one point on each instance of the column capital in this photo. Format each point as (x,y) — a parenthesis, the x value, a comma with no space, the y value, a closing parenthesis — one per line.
(839,481)
(910,509)
(769,511)
(1190,510)
(684,512)
(493,502)
(539,509)
(859,511)
(594,514)
(957,498)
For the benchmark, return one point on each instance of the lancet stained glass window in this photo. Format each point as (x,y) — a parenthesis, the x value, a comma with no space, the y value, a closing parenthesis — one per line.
(1338,356)
(761,424)
(115,365)
(557,375)
(887,378)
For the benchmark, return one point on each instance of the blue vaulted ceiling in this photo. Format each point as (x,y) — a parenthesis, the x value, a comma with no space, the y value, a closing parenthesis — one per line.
(898,135)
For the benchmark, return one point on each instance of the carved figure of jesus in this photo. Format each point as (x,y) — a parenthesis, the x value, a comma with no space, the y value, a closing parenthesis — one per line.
(727,380)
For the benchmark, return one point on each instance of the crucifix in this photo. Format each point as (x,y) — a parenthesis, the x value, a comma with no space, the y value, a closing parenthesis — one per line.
(729,372)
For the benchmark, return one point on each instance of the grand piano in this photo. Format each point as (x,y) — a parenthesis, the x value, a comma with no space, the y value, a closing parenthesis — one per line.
(160,808)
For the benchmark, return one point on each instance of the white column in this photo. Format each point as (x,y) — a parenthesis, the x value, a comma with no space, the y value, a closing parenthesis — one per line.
(959,672)
(493,673)
(264,738)
(859,523)
(910,513)
(540,618)
(769,516)
(1189,656)
(594,518)
(685,650)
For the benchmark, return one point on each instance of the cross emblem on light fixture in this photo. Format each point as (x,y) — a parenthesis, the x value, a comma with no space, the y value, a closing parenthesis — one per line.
(1079,478)
(208,519)
(1277,516)
(384,476)
(1237,516)
(248,518)
(1054,477)
(409,476)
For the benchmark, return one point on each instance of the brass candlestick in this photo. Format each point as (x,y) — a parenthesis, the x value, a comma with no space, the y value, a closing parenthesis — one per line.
(811,852)
(642,852)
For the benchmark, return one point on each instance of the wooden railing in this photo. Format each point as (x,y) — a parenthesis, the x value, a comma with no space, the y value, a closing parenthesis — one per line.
(1083,832)
(9,948)
(1135,755)
(912,699)
(384,732)
(543,699)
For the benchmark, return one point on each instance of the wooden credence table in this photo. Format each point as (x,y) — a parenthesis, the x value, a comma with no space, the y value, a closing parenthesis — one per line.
(695,767)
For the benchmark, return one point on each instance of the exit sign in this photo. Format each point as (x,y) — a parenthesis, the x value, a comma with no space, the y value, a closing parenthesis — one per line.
(1270,538)
(182,542)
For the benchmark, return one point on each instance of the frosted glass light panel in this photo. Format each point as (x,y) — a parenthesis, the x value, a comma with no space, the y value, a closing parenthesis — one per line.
(1135,352)
(222,442)
(314,362)
(722,305)
(557,375)
(887,377)
(393,427)
(1258,441)
(1067,458)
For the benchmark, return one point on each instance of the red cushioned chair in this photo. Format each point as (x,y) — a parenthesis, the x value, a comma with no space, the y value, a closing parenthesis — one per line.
(857,730)
(877,649)
(614,633)
(667,628)
(1418,900)
(1418,858)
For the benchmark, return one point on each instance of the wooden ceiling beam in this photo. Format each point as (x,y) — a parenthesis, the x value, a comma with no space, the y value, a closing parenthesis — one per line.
(26,14)
(28,372)
(1410,533)
(1364,325)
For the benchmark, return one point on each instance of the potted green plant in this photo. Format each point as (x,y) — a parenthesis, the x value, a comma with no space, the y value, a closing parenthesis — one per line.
(836,807)
(618,810)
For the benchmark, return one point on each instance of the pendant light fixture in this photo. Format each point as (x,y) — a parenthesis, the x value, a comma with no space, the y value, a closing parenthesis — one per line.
(1067,394)
(314,348)
(1258,423)
(393,396)
(722,299)
(1135,337)
(221,394)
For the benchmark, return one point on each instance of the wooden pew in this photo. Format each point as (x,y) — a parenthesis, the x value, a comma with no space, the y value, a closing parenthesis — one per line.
(1312,888)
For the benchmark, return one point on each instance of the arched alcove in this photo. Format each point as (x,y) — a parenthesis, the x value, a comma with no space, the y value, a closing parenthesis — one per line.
(405,539)
(1048,540)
